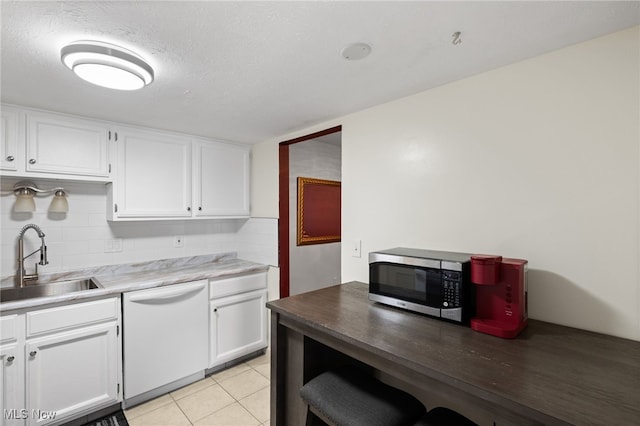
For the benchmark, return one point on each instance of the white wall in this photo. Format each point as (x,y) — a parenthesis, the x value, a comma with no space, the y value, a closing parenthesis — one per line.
(264,200)
(264,174)
(317,265)
(538,160)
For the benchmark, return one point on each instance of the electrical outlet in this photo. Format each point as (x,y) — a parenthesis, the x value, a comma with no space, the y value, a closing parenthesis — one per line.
(355,248)
(178,241)
(113,245)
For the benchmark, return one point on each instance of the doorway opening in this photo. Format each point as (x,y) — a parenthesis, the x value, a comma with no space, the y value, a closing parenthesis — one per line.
(317,157)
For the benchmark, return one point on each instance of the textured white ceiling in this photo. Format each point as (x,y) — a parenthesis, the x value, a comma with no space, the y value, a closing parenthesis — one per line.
(249,71)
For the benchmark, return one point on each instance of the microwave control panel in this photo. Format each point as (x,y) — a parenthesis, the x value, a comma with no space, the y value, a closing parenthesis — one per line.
(452,289)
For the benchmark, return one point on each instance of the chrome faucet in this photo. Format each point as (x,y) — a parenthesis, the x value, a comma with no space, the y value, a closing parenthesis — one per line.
(22,276)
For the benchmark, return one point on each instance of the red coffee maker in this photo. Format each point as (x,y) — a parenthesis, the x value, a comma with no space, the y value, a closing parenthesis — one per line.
(501,295)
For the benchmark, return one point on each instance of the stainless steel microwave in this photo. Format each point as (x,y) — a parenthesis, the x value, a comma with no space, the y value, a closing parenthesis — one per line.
(435,283)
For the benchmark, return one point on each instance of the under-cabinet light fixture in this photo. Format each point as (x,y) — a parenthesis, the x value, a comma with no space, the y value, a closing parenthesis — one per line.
(107,65)
(26,191)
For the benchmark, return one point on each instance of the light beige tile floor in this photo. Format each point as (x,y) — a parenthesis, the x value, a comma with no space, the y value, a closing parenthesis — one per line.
(238,396)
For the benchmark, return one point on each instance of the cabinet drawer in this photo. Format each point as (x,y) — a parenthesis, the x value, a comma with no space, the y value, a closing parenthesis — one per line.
(236,285)
(9,328)
(67,317)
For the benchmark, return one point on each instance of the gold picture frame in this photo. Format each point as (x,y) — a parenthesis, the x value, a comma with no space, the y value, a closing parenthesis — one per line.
(319,210)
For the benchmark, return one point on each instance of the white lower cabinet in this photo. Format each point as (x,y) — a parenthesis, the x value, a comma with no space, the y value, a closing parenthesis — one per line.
(71,372)
(68,363)
(60,363)
(12,370)
(238,317)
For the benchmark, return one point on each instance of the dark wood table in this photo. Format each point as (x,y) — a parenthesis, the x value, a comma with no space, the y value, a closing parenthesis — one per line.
(550,374)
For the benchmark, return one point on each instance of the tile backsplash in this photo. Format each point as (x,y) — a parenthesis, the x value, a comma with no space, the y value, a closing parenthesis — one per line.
(83,238)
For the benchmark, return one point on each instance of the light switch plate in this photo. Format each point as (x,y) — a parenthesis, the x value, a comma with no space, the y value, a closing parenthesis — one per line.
(355,248)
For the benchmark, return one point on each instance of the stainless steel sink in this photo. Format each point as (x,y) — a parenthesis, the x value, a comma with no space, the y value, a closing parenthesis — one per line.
(31,291)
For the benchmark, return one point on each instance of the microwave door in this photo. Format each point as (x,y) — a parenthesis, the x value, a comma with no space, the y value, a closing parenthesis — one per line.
(402,282)
(409,283)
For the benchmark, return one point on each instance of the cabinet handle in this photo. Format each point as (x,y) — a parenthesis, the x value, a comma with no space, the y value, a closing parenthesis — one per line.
(188,209)
(11,358)
(10,158)
(215,310)
(162,296)
(33,353)
(199,208)
(32,161)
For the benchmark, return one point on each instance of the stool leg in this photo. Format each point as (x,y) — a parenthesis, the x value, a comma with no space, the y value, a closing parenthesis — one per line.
(309,421)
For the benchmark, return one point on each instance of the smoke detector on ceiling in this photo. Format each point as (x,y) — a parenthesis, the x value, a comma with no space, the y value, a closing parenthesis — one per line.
(356,51)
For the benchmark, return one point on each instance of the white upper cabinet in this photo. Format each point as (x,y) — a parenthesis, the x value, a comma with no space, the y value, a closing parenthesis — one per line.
(38,144)
(161,175)
(221,179)
(153,176)
(9,134)
(60,144)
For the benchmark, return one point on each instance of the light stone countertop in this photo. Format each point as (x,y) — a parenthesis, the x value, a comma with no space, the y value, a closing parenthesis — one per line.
(117,279)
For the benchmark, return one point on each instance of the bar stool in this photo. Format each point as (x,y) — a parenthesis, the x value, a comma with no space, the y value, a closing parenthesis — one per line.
(348,397)
(441,416)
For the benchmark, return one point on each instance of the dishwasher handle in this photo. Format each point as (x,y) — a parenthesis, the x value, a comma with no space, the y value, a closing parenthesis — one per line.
(164,296)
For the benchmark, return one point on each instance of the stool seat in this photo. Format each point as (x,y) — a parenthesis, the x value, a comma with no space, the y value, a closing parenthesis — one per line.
(441,416)
(348,397)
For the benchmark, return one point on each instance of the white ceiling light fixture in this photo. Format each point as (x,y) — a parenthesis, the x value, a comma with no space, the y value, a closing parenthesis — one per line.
(107,65)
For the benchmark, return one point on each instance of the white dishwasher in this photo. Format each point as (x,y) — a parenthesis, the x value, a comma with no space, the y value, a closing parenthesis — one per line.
(165,339)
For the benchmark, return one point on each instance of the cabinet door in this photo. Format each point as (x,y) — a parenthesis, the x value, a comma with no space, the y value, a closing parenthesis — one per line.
(64,145)
(153,175)
(9,133)
(71,372)
(238,326)
(11,378)
(12,406)
(221,179)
